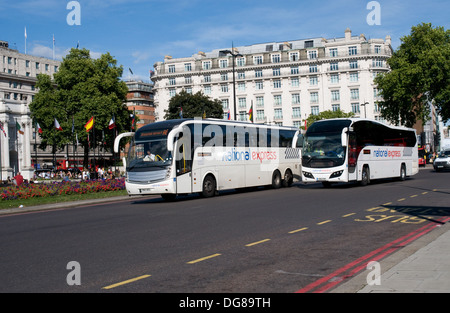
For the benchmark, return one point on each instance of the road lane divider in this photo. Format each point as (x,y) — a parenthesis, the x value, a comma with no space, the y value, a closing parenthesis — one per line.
(126,282)
(256,243)
(324,222)
(204,258)
(298,230)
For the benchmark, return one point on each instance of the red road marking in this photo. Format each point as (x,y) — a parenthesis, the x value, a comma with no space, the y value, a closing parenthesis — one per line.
(362,262)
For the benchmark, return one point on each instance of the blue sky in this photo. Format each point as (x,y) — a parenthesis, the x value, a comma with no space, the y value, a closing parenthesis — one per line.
(139,33)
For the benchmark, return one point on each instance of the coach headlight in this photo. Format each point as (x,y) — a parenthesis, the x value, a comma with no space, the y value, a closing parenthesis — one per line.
(308,175)
(169,170)
(336,174)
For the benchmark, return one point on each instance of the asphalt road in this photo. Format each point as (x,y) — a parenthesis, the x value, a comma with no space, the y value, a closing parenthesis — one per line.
(300,239)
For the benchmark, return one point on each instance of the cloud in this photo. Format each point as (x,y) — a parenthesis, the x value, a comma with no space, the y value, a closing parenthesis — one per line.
(140,56)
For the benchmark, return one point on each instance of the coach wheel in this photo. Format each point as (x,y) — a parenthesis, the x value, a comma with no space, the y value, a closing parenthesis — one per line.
(365,178)
(288,179)
(403,172)
(276,179)
(209,187)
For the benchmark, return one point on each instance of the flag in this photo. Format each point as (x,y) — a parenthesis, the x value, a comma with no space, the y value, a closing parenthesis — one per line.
(3,130)
(204,114)
(89,124)
(132,121)
(250,113)
(57,126)
(19,128)
(38,127)
(305,125)
(130,71)
(228,115)
(25,32)
(181,112)
(112,123)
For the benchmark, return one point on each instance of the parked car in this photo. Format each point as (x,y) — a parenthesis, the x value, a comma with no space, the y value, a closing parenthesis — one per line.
(442,161)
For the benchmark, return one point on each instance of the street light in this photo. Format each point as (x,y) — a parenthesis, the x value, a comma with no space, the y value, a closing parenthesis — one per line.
(364,105)
(234,55)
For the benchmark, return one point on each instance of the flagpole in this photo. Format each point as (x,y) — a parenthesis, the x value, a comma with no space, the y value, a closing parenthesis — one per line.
(53,46)
(25,40)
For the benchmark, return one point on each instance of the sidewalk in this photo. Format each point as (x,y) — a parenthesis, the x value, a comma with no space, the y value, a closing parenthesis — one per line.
(421,267)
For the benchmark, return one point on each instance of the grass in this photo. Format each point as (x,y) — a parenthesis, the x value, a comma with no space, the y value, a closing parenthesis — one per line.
(60,198)
(39,194)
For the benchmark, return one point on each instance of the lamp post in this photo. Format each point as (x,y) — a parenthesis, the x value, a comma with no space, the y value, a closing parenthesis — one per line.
(234,55)
(364,105)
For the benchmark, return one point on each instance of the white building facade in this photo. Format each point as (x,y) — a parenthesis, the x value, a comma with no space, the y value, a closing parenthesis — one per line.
(283,82)
(18,77)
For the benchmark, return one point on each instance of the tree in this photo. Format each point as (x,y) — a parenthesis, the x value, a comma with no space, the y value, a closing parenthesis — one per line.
(83,87)
(191,106)
(420,74)
(327,115)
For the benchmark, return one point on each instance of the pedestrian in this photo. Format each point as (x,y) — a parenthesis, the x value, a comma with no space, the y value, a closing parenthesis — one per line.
(18,179)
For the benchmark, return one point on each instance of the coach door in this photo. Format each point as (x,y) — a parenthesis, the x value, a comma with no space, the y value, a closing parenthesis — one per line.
(183,168)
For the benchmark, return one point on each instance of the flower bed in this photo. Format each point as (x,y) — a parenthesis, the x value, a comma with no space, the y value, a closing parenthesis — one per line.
(27,190)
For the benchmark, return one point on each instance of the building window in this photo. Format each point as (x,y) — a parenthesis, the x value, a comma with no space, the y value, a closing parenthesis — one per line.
(314,97)
(296,112)
(278,114)
(315,110)
(241,86)
(377,62)
(241,75)
(377,49)
(295,82)
(335,107)
(242,102)
(294,70)
(313,80)
(335,95)
(309,44)
(187,67)
(353,50)
(171,68)
(277,100)
(224,88)
(334,66)
(295,98)
(223,63)
(276,71)
(259,85)
(258,73)
(354,94)
(293,56)
(172,92)
(224,76)
(276,58)
(312,54)
(207,78)
(207,89)
(313,68)
(277,84)
(225,103)
(240,61)
(333,52)
(354,77)
(260,101)
(258,59)
(172,81)
(334,79)
(355,108)
(206,65)
(260,115)
(353,64)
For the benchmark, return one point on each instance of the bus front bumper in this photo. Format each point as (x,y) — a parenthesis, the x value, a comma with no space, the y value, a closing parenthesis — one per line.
(162,187)
(324,175)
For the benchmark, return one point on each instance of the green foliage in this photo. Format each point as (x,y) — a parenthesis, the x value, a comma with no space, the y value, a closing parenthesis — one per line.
(420,73)
(327,115)
(196,105)
(82,88)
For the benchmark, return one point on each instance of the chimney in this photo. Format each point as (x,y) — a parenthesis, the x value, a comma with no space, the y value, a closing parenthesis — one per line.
(348,34)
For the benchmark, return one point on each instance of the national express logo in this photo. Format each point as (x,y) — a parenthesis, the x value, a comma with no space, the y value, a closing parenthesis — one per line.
(246,155)
(385,153)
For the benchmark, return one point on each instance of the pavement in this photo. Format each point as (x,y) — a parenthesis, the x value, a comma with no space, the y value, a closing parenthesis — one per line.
(422,266)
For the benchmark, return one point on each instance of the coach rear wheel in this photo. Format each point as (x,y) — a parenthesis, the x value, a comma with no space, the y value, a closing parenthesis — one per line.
(276,179)
(365,176)
(402,172)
